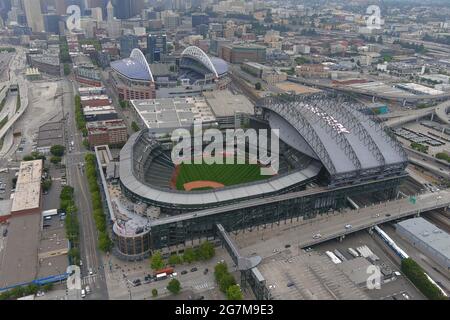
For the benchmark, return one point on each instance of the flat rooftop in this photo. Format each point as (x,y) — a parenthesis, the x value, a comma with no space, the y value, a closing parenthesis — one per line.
(50,134)
(223,103)
(295,87)
(430,234)
(28,187)
(310,277)
(21,256)
(168,113)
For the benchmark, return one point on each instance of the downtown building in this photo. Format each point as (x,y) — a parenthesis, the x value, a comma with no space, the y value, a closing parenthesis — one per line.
(108,132)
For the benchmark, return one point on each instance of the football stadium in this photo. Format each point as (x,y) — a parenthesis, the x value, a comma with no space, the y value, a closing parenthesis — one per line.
(328,152)
(133,78)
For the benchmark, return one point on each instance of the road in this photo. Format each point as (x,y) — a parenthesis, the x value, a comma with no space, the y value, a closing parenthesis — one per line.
(333,226)
(412,115)
(90,255)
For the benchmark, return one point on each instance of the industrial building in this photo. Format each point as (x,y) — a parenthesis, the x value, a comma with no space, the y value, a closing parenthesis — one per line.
(50,134)
(428,238)
(46,64)
(27,197)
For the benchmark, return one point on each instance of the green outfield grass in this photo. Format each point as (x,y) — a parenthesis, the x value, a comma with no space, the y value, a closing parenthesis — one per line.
(225,174)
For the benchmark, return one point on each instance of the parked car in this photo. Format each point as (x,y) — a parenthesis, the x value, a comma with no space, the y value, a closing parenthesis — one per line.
(206,271)
(194,269)
(83,293)
(184,272)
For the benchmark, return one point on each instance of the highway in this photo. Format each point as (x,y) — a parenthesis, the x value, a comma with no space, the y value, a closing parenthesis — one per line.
(411,115)
(333,226)
(400,98)
(90,255)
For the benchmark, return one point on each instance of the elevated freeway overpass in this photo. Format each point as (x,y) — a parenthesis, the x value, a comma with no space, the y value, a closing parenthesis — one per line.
(404,98)
(333,226)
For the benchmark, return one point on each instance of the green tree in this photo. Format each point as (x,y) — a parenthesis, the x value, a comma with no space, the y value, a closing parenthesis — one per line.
(189,255)
(174,286)
(46,184)
(66,69)
(258,86)
(135,126)
(28,158)
(417,276)
(86,143)
(57,150)
(55,160)
(175,259)
(206,251)
(104,242)
(154,293)
(219,270)
(156,261)
(123,104)
(227,280)
(234,293)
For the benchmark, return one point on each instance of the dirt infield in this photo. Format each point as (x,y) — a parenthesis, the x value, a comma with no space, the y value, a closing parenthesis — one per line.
(202,185)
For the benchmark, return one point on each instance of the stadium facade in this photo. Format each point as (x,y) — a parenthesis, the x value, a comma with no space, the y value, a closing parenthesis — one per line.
(133,78)
(329,151)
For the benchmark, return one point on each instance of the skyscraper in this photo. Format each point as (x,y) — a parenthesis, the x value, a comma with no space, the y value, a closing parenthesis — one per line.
(199,18)
(34,16)
(156,46)
(122,9)
(127,44)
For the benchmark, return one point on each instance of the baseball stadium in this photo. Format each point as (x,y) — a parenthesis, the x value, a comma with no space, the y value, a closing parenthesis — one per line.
(329,143)
(328,152)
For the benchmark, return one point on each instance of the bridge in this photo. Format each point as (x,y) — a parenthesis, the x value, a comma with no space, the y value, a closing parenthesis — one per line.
(440,111)
(332,226)
(411,98)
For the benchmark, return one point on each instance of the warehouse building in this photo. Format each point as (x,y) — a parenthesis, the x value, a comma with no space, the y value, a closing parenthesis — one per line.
(27,197)
(428,238)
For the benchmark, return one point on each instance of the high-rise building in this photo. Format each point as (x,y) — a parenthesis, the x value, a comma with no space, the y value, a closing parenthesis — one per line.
(34,16)
(156,47)
(127,44)
(199,18)
(51,23)
(109,12)
(122,9)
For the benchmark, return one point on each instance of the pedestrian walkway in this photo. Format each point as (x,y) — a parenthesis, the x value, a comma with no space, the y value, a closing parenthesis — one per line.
(92,280)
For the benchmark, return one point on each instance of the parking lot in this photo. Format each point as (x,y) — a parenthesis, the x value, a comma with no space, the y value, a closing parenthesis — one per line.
(388,289)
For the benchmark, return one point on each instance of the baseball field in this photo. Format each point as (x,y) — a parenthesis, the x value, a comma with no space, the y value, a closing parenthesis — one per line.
(204,176)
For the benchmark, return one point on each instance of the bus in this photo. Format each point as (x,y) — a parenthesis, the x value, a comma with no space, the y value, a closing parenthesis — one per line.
(161,276)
